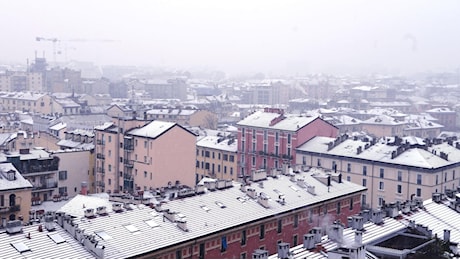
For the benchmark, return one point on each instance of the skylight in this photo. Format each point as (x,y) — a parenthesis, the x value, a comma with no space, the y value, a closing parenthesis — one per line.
(131,228)
(152,223)
(205,208)
(220,204)
(20,247)
(293,188)
(241,199)
(56,238)
(102,234)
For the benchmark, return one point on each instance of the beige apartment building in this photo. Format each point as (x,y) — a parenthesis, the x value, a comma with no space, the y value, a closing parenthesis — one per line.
(134,154)
(392,168)
(202,118)
(216,157)
(383,125)
(15,194)
(21,81)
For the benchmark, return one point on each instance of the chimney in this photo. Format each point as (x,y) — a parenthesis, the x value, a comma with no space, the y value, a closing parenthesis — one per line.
(446,235)
(49,222)
(117,207)
(89,213)
(263,200)
(199,189)
(251,192)
(93,246)
(84,188)
(101,210)
(13,226)
(301,182)
(317,231)
(309,241)
(436,197)
(60,218)
(358,222)
(358,237)
(377,217)
(311,189)
(260,254)
(336,233)
(366,215)
(283,250)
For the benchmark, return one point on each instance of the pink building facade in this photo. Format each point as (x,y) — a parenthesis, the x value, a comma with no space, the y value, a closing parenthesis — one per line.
(268,139)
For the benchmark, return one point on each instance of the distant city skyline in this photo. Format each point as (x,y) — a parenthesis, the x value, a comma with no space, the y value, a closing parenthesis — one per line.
(272,37)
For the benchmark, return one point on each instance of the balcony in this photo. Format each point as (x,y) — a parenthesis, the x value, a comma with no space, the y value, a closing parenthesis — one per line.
(127,176)
(100,184)
(100,169)
(128,163)
(9,209)
(45,186)
(100,142)
(100,156)
(128,147)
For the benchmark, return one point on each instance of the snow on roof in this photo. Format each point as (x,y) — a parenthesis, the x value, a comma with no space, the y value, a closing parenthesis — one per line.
(104,126)
(263,119)
(440,110)
(383,120)
(382,152)
(153,129)
(58,126)
(19,182)
(171,112)
(215,143)
(237,209)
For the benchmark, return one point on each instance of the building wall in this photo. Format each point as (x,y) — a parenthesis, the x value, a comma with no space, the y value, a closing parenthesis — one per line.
(383,130)
(22,205)
(286,149)
(76,168)
(308,217)
(372,179)
(225,163)
(204,119)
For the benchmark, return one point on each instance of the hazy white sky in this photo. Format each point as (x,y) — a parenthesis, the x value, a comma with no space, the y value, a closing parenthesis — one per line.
(239,35)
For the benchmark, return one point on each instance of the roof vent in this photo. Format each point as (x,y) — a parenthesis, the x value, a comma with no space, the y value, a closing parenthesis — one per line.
(251,192)
(102,211)
(260,254)
(311,189)
(436,197)
(49,222)
(220,184)
(309,241)
(358,222)
(117,207)
(283,250)
(182,224)
(377,217)
(89,213)
(263,200)
(318,232)
(13,226)
(199,189)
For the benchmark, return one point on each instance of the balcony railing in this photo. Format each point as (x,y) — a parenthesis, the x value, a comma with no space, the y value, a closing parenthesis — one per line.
(128,163)
(8,209)
(100,142)
(44,186)
(128,147)
(100,156)
(100,169)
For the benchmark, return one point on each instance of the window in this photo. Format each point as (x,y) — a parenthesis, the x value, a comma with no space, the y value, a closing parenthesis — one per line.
(243,132)
(206,154)
(206,166)
(62,190)
(399,175)
(253,161)
(218,168)
(243,256)
(243,237)
(225,157)
(349,178)
(310,216)
(213,155)
(253,133)
(145,144)
(304,160)
(348,167)
(294,240)
(277,136)
(262,231)
(110,181)
(445,176)
(289,138)
(223,244)
(382,173)
(419,179)
(399,189)
(419,192)
(437,179)
(232,158)
(265,135)
(280,226)
(2,200)
(197,164)
(179,254)
(364,170)
(380,201)
(365,182)
(225,169)
(381,185)
(231,170)
(201,253)
(296,220)
(254,147)
(351,204)
(218,156)
(197,152)
(339,207)
(110,139)
(145,174)
(319,162)
(62,175)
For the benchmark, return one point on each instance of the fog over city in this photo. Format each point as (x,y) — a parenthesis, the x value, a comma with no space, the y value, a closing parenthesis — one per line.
(272,37)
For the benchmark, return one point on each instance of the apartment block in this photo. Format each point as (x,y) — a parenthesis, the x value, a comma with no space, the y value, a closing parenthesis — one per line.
(392,168)
(134,154)
(269,138)
(216,157)
(202,118)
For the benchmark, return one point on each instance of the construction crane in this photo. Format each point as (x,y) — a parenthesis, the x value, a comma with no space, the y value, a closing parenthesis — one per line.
(54,41)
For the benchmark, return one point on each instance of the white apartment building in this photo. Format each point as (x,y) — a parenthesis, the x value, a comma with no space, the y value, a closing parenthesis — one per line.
(392,168)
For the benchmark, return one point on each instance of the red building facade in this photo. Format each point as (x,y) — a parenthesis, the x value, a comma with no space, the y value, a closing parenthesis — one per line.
(241,241)
(268,139)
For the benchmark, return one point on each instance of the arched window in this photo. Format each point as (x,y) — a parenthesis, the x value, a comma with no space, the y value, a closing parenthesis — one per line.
(12,200)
